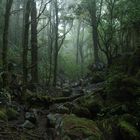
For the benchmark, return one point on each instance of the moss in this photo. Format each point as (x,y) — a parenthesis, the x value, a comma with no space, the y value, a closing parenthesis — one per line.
(128,131)
(81,128)
(92,102)
(109,127)
(12,114)
(138,75)
(98,77)
(81,111)
(3,115)
(122,87)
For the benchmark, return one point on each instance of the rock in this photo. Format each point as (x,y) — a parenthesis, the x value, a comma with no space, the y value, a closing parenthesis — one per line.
(70,127)
(122,87)
(30,116)
(128,131)
(92,102)
(109,128)
(62,110)
(75,128)
(81,111)
(27,124)
(66,92)
(97,77)
(5,98)
(53,119)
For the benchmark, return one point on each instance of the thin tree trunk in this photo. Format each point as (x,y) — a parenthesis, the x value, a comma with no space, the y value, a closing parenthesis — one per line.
(77,41)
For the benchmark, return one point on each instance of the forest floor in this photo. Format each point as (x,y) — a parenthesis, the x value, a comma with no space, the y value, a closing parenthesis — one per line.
(105,106)
(35,122)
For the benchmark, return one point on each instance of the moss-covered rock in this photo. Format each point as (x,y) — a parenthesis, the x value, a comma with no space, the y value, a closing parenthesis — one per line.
(70,127)
(80,128)
(122,87)
(8,114)
(12,114)
(3,115)
(109,128)
(81,111)
(93,102)
(128,131)
(97,77)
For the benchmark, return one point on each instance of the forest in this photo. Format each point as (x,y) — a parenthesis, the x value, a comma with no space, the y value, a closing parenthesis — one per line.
(70,70)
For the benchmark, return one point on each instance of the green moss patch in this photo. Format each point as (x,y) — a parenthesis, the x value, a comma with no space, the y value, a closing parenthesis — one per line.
(76,127)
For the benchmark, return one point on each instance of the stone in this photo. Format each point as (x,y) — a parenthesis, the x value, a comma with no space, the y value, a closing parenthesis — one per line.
(30,116)
(27,124)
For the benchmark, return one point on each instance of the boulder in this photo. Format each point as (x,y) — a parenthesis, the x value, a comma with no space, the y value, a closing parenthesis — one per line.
(128,131)
(70,127)
(30,116)
(28,125)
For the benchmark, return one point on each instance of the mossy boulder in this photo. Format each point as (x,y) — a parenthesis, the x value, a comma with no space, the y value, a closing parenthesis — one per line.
(8,114)
(93,102)
(122,87)
(81,111)
(3,115)
(109,128)
(80,128)
(97,77)
(70,127)
(12,114)
(128,131)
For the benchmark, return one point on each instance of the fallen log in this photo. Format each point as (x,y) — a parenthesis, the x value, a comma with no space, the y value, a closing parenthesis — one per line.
(39,101)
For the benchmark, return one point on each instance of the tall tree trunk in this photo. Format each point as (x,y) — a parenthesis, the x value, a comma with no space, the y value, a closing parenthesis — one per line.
(25,43)
(34,48)
(95,33)
(56,44)
(5,41)
(50,44)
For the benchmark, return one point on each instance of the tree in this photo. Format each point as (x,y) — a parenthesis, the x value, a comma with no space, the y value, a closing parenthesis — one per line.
(5,41)
(92,16)
(34,46)
(56,43)
(25,42)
